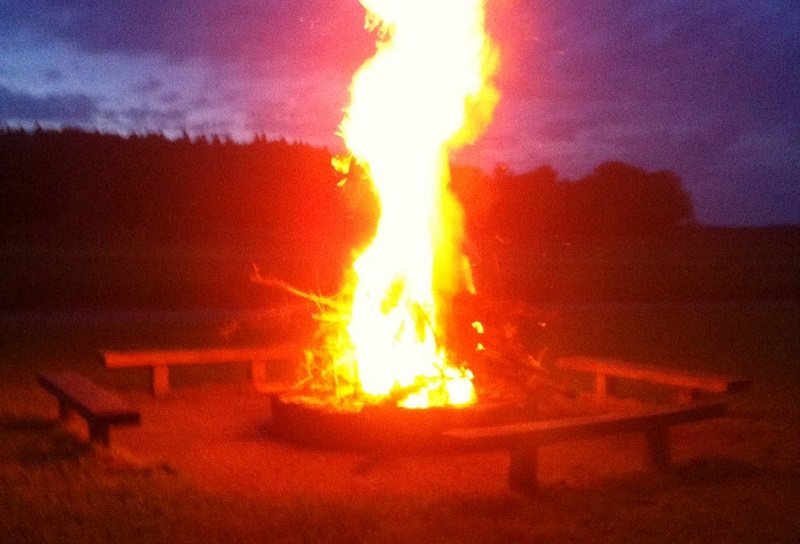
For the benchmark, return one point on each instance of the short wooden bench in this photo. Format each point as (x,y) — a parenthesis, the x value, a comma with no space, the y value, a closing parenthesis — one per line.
(689,384)
(99,407)
(523,440)
(161,360)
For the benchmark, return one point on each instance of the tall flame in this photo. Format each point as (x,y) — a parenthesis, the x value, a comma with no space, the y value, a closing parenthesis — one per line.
(421,95)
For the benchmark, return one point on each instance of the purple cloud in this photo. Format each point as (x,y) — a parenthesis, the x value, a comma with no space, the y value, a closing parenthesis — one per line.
(294,33)
(16,107)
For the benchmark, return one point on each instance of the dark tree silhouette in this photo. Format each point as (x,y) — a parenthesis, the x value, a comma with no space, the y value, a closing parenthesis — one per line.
(72,183)
(618,198)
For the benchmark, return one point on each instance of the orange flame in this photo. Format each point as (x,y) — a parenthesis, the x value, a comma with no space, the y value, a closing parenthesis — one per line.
(423,93)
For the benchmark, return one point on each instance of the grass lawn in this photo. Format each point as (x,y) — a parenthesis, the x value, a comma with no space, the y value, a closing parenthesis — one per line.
(736,479)
(197,471)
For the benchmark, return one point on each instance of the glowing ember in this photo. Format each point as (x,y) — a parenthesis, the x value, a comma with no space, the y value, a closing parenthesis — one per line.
(422,94)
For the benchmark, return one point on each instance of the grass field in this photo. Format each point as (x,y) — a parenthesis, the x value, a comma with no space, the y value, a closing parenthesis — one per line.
(736,479)
(694,265)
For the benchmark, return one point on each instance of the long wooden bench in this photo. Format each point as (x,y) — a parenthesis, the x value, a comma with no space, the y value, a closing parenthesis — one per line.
(523,440)
(99,407)
(161,360)
(689,384)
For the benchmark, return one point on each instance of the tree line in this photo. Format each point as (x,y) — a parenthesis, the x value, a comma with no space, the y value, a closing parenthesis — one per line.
(72,183)
(615,199)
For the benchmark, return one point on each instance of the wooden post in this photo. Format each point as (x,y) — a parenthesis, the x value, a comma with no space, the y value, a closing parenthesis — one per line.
(258,372)
(522,470)
(659,452)
(604,385)
(687,395)
(98,433)
(64,411)
(160,380)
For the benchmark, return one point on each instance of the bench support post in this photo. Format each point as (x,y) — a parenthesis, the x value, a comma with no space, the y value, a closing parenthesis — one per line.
(258,372)
(522,470)
(98,433)
(659,451)
(604,385)
(64,411)
(687,396)
(160,375)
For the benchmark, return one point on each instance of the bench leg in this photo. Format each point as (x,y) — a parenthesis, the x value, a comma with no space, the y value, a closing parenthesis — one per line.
(687,396)
(64,411)
(98,433)
(659,454)
(160,375)
(258,372)
(522,469)
(605,386)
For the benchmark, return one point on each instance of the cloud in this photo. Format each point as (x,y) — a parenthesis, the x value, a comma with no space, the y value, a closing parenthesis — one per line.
(293,33)
(28,108)
(148,117)
(222,65)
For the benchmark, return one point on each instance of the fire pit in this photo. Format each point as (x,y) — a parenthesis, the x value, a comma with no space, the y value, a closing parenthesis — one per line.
(390,368)
(521,429)
(302,421)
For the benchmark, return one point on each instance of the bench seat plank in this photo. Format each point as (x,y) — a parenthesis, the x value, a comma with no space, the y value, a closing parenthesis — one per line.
(556,430)
(693,380)
(160,360)
(120,359)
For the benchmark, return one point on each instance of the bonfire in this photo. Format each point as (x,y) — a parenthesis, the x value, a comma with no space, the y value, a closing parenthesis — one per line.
(386,337)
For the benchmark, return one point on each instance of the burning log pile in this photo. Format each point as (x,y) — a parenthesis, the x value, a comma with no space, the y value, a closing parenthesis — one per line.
(506,350)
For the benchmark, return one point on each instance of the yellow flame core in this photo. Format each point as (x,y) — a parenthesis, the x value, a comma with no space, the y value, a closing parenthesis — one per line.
(423,93)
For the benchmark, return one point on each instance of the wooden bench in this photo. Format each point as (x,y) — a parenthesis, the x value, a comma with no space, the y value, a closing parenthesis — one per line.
(689,384)
(99,407)
(161,360)
(523,440)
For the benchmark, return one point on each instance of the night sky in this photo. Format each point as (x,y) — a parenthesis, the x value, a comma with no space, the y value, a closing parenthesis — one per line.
(710,90)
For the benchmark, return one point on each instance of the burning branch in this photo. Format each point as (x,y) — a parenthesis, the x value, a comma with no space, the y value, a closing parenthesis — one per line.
(327,302)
